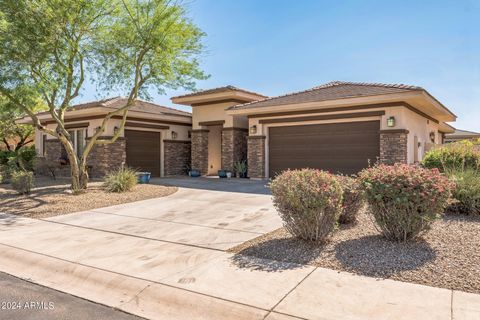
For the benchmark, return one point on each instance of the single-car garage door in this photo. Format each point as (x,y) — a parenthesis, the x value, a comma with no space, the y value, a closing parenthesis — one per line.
(143,151)
(336,147)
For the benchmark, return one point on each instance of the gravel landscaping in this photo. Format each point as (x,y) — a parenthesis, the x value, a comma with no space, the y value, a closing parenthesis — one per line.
(53,197)
(448,256)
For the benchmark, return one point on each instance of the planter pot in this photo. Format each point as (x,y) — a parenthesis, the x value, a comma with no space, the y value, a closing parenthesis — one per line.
(222,173)
(229,174)
(143,177)
(194,173)
(242,175)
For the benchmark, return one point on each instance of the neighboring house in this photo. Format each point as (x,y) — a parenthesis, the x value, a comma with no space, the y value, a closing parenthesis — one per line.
(156,138)
(339,126)
(461,135)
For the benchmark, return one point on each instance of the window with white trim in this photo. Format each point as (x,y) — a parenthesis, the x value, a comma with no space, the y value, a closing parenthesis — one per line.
(78,137)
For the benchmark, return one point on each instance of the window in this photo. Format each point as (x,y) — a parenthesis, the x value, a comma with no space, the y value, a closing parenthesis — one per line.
(78,139)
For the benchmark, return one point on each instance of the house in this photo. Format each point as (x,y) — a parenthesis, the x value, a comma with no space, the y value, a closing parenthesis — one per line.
(156,138)
(459,135)
(339,126)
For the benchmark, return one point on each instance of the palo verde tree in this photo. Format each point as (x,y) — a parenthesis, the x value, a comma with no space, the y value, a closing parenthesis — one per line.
(51,46)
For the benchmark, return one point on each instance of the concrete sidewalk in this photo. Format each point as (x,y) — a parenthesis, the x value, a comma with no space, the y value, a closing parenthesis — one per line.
(165,259)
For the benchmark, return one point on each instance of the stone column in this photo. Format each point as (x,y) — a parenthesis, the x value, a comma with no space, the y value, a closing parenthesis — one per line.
(104,158)
(256,156)
(234,146)
(393,146)
(200,150)
(177,157)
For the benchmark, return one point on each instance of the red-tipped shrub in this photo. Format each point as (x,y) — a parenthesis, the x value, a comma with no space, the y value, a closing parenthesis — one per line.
(353,200)
(309,202)
(403,199)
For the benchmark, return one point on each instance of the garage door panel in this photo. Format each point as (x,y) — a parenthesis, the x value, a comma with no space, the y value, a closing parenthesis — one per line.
(336,147)
(143,151)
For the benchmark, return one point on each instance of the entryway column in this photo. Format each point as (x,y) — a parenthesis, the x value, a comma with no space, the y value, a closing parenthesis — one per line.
(234,146)
(393,146)
(256,156)
(200,150)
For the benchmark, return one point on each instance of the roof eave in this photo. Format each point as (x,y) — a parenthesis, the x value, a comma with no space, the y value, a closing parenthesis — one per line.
(215,97)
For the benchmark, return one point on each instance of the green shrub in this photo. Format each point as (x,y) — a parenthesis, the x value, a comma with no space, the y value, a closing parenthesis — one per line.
(23,159)
(466,192)
(308,201)
(5,155)
(454,156)
(240,168)
(121,180)
(353,200)
(405,200)
(22,181)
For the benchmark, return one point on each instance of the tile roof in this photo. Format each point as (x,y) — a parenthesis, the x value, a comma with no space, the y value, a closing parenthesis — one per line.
(217,90)
(330,91)
(140,106)
(462,133)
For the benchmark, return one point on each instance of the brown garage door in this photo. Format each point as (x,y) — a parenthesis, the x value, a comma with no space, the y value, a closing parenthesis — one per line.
(336,147)
(143,151)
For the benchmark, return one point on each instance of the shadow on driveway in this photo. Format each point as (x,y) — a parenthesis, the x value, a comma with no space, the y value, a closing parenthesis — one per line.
(216,184)
(278,254)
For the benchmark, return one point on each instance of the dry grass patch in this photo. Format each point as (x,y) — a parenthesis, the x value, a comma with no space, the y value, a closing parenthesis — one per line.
(448,256)
(53,197)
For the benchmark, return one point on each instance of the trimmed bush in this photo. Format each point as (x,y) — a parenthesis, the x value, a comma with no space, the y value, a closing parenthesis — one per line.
(352,197)
(466,192)
(454,156)
(308,201)
(22,181)
(405,200)
(121,180)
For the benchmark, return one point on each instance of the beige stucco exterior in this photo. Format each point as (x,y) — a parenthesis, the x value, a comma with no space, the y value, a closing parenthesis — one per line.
(181,130)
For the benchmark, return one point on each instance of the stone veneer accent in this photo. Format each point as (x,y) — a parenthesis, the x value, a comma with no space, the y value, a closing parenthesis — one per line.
(53,149)
(393,146)
(200,150)
(101,160)
(104,158)
(177,157)
(234,146)
(256,156)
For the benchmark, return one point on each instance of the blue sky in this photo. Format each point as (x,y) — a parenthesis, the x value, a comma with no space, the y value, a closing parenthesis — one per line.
(277,46)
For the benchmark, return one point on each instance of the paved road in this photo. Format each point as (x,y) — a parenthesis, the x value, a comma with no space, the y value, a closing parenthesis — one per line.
(38,302)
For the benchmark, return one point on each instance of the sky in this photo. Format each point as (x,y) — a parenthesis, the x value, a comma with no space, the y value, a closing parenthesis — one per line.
(275,47)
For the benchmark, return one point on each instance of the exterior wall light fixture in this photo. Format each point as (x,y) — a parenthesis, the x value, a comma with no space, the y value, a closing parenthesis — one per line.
(391,122)
(115,130)
(253,129)
(432,136)
(174,135)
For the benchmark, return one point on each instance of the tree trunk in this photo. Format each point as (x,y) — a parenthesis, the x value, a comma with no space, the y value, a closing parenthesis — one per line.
(78,169)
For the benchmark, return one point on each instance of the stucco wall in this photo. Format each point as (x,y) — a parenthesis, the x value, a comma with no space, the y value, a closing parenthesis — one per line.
(216,112)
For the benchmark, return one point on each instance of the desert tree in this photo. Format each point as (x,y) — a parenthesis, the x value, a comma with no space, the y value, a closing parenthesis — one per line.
(51,46)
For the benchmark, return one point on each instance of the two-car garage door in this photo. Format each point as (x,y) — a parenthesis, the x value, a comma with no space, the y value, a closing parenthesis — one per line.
(336,147)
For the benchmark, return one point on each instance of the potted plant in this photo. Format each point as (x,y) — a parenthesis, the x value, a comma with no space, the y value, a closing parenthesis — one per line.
(222,173)
(194,173)
(240,168)
(143,177)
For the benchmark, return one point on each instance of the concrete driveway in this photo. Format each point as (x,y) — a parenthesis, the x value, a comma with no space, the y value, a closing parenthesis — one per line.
(165,259)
